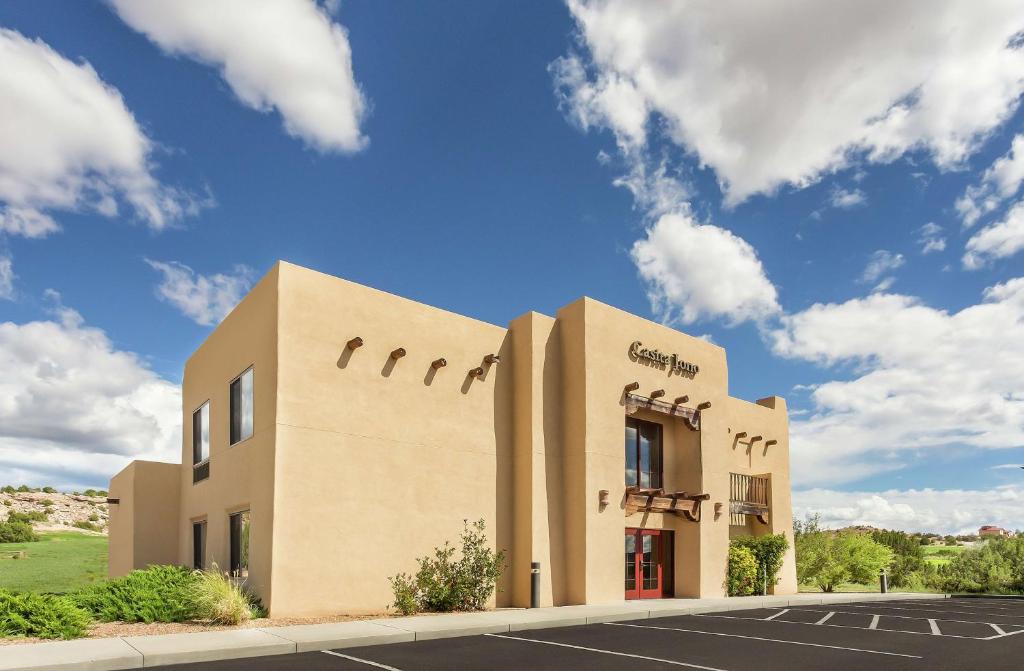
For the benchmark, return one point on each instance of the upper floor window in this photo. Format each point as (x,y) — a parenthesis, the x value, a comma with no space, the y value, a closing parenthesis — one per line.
(643,453)
(201,443)
(241,407)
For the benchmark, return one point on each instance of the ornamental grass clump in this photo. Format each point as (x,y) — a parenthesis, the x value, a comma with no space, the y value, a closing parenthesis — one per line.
(217,598)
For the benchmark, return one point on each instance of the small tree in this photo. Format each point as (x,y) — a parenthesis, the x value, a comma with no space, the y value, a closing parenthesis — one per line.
(828,559)
(768,551)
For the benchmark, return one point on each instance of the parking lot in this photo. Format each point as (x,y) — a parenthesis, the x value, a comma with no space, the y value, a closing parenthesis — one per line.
(958,633)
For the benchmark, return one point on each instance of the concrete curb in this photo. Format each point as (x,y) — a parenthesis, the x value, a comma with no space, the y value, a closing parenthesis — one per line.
(136,652)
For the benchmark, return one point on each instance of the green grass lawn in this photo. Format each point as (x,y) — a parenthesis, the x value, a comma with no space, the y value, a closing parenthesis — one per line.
(59,562)
(939,555)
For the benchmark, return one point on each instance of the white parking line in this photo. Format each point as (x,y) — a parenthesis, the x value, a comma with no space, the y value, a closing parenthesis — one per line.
(606,652)
(927,610)
(843,626)
(761,638)
(935,627)
(781,612)
(901,617)
(826,618)
(874,622)
(999,630)
(360,660)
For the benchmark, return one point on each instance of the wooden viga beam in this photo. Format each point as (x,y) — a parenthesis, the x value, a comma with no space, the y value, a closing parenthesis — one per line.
(659,501)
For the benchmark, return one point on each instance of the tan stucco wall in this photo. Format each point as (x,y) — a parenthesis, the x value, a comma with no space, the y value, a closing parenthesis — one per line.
(379,460)
(360,463)
(241,475)
(143,523)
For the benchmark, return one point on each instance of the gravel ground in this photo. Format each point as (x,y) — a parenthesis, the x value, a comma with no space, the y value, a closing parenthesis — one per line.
(112,629)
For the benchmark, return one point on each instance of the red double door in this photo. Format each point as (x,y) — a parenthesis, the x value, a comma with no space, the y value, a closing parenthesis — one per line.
(648,563)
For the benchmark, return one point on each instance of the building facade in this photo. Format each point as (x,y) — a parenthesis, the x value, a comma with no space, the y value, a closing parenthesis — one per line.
(332,433)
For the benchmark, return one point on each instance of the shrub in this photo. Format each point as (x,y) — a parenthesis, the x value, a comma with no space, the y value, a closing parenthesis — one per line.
(156,594)
(41,616)
(7,489)
(49,490)
(17,532)
(24,488)
(88,526)
(997,566)
(46,503)
(741,577)
(217,598)
(444,584)
(768,552)
(94,517)
(27,518)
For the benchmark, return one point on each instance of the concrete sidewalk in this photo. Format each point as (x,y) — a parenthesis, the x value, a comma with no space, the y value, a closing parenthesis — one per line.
(136,652)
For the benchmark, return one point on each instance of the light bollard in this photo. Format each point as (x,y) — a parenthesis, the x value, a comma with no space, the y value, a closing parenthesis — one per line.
(883,581)
(535,584)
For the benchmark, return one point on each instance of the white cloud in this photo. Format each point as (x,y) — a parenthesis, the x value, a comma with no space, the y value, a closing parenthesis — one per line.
(881,263)
(286,55)
(1004,467)
(74,409)
(70,144)
(695,270)
(6,278)
(846,199)
(1000,181)
(204,299)
(769,94)
(930,238)
(923,379)
(945,511)
(996,241)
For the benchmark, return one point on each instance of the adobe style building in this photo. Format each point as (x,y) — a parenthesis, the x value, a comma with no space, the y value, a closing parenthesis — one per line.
(332,433)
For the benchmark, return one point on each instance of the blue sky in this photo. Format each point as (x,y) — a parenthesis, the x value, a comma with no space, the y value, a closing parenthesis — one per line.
(830,199)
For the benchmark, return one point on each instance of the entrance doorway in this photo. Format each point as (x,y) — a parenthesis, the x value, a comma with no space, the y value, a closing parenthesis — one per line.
(648,563)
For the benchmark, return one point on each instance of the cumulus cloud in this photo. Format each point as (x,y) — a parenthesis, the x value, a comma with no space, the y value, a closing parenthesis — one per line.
(6,278)
(923,378)
(882,262)
(284,55)
(205,299)
(74,409)
(999,182)
(70,144)
(769,94)
(930,238)
(996,241)
(945,511)
(694,270)
(846,199)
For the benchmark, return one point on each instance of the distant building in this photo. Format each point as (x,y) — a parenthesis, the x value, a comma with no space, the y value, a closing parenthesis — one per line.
(989,530)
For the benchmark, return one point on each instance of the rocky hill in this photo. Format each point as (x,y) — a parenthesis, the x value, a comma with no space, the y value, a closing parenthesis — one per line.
(57,511)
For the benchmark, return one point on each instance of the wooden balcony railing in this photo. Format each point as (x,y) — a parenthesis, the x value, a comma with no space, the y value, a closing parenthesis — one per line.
(748,495)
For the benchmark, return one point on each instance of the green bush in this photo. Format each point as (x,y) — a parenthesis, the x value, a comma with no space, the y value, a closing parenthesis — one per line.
(46,503)
(829,558)
(17,532)
(88,526)
(49,490)
(741,577)
(27,518)
(41,616)
(216,598)
(444,584)
(7,489)
(768,552)
(94,517)
(156,594)
(995,567)
(23,489)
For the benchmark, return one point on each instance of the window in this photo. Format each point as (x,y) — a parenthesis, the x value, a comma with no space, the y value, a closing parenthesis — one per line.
(241,407)
(643,453)
(199,545)
(239,525)
(201,443)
